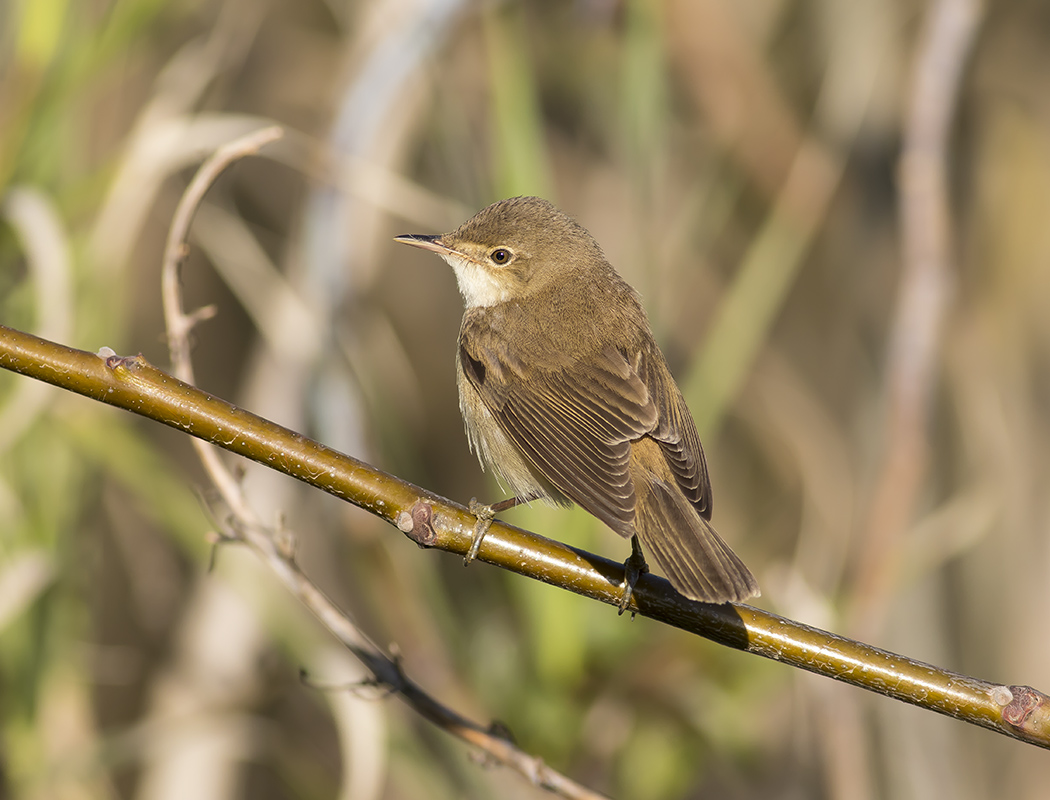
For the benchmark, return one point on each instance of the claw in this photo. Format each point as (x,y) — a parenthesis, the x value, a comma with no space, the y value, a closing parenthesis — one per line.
(634,568)
(485,514)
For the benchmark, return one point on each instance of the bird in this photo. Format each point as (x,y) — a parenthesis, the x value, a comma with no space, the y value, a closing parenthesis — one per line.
(567,397)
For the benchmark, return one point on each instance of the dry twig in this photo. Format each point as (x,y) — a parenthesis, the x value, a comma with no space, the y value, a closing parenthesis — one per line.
(245,525)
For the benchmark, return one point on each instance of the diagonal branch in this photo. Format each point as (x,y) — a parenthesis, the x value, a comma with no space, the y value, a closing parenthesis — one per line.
(131,383)
(134,385)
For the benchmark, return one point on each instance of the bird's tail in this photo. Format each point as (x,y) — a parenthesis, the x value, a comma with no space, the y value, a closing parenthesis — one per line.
(684,547)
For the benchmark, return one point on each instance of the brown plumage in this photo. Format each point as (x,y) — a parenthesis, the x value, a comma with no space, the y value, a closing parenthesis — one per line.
(566,395)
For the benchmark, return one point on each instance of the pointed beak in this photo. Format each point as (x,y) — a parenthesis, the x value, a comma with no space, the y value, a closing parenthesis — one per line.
(424,242)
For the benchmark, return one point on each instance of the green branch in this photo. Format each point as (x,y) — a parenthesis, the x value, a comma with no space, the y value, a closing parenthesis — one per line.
(133,384)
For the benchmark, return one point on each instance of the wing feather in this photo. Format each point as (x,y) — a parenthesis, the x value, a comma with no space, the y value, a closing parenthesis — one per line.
(678,437)
(575,426)
(591,472)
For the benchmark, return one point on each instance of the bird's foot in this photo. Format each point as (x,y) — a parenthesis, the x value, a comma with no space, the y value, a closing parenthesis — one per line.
(634,568)
(484,514)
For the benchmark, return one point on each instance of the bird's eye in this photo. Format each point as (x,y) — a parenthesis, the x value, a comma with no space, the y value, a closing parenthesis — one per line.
(500,256)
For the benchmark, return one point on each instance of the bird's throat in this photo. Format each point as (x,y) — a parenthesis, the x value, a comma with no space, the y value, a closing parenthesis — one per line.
(480,287)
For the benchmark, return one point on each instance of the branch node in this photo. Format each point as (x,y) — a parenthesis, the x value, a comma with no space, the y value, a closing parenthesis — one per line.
(500,730)
(200,315)
(285,540)
(122,365)
(356,688)
(421,530)
(218,539)
(1026,702)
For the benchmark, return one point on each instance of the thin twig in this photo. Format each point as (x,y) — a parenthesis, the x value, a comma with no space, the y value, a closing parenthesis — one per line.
(131,383)
(246,526)
(177,322)
(387,672)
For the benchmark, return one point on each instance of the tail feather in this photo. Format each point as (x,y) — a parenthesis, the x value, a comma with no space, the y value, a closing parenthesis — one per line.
(684,547)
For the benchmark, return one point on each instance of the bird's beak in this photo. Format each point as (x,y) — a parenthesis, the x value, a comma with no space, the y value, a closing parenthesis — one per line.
(425,242)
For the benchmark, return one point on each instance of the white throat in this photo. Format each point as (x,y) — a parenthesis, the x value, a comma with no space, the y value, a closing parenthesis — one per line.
(477,285)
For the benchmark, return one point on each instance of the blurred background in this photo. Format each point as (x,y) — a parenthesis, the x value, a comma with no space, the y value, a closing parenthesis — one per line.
(866,362)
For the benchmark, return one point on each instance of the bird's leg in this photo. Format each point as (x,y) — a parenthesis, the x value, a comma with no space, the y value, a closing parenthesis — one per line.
(485,514)
(634,568)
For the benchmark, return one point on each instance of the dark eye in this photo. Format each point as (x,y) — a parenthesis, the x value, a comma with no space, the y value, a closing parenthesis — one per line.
(500,255)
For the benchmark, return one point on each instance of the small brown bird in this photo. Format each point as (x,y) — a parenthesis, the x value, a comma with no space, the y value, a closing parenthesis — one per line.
(566,395)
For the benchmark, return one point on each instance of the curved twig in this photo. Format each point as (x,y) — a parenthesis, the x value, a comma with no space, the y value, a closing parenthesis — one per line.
(245,525)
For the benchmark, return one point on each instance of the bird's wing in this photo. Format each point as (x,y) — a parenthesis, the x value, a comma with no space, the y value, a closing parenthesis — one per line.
(676,433)
(575,425)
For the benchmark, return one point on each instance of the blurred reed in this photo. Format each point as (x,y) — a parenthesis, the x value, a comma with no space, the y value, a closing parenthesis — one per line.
(738,163)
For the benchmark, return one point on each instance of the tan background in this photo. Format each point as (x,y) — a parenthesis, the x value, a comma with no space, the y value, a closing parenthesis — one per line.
(740,164)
